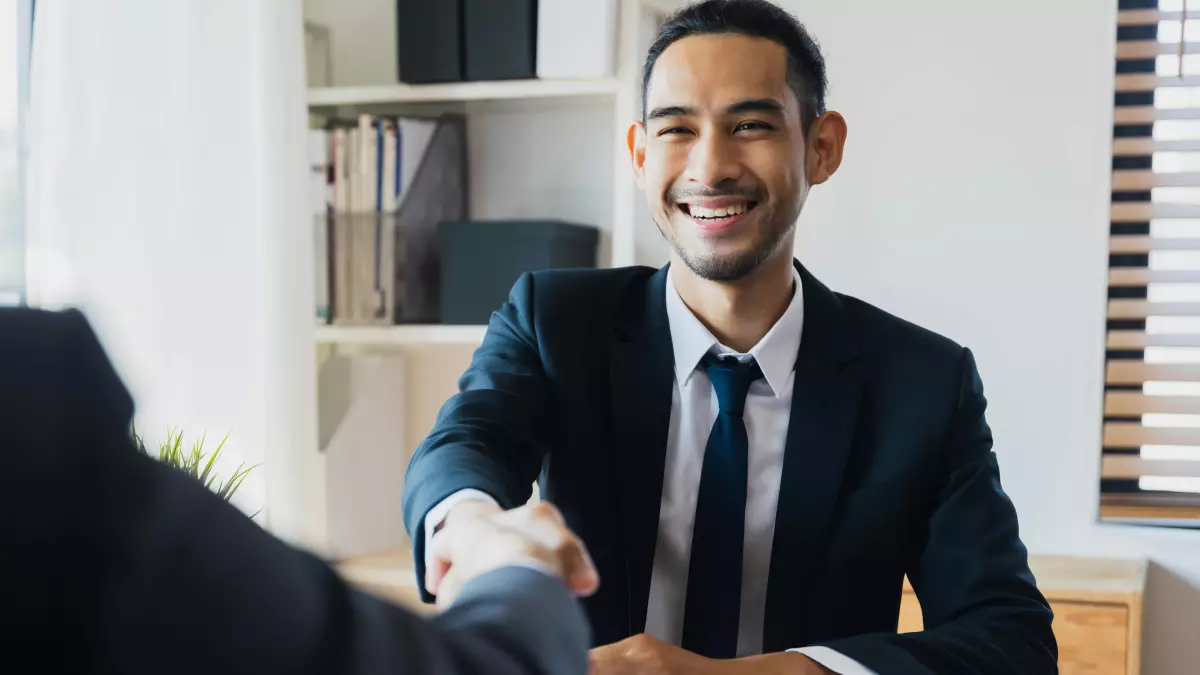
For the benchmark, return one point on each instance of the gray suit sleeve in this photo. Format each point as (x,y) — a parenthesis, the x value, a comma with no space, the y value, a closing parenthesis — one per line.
(513,621)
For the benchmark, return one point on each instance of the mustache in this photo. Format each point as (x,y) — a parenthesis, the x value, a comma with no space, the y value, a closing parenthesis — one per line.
(752,193)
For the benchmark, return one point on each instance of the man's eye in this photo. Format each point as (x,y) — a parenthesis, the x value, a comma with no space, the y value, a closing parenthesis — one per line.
(753,126)
(673,131)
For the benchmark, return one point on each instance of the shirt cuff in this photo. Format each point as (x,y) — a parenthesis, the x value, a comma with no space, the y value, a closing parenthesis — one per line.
(438,513)
(835,661)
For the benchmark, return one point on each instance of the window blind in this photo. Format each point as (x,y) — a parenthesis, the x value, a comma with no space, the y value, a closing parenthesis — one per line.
(1150,466)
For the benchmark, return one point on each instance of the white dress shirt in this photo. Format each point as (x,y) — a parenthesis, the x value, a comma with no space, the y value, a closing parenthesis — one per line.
(693,413)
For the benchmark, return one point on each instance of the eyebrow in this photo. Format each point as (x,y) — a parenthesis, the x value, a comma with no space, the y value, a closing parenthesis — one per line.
(671,111)
(755,105)
(766,105)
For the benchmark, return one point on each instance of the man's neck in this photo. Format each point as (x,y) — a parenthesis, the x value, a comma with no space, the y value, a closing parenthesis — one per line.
(738,313)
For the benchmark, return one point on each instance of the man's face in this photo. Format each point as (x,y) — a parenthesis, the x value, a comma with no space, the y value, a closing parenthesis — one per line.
(722,154)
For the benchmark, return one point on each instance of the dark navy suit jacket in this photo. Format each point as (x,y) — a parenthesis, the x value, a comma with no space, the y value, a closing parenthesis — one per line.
(115,563)
(888,470)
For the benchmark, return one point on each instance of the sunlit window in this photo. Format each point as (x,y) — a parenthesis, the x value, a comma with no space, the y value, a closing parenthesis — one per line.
(15,22)
(1150,467)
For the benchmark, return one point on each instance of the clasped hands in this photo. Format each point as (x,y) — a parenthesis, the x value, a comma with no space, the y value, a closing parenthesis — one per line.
(478,537)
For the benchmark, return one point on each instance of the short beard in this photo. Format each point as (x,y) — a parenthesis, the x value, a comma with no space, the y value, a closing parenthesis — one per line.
(733,267)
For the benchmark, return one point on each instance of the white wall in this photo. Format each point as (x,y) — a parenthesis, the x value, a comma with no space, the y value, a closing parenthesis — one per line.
(167,154)
(543,159)
(974,200)
(362,39)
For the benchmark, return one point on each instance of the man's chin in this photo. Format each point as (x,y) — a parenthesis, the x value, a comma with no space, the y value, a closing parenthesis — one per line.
(720,266)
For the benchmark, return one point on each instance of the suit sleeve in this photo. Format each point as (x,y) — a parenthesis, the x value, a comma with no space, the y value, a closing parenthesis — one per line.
(491,436)
(121,564)
(983,613)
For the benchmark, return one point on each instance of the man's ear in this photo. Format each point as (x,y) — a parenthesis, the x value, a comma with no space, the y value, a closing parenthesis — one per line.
(635,140)
(826,142)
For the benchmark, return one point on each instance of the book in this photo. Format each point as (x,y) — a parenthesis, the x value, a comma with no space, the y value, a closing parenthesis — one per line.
(388,183)
(318,166)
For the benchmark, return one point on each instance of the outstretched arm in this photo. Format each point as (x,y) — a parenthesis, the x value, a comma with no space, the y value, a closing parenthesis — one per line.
(116,563)
(490,437)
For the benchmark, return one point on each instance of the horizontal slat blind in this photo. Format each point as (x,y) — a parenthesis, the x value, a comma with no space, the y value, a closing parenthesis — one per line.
(1148,49)
(1147,114)
(1151,83)
(1137,147)
(1150,469)
(1136,339)
(1135,372)
(1136,404)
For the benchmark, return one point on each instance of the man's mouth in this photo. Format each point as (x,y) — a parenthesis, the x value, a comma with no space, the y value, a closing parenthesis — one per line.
(717,216)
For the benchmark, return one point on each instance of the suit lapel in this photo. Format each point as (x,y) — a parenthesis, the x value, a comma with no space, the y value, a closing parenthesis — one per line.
(641,376)
(825,399)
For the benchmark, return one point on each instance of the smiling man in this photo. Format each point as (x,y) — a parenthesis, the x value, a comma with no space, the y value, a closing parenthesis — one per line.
(754,461)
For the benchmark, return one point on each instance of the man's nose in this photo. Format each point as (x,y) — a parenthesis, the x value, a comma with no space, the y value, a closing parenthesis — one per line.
(713,161)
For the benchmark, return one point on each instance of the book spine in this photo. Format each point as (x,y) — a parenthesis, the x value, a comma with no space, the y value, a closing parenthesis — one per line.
(318,147)
(341,225)
(380,138)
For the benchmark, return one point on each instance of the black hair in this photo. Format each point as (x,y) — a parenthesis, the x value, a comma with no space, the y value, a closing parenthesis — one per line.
(753,18)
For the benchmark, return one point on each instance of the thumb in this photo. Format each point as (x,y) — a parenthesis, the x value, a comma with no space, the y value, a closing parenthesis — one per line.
(435,571)
(579,571)
(439,558)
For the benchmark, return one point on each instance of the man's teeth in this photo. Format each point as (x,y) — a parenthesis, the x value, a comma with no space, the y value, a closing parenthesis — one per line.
(719,212)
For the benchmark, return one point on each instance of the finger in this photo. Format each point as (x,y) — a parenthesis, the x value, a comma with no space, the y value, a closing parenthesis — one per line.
(437,561)
(579,571)
(542,522)
(435,571)
(546,525)
(444,549)
(448,590)
(549,511)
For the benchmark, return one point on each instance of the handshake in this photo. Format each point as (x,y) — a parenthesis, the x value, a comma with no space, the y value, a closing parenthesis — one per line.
(478,537)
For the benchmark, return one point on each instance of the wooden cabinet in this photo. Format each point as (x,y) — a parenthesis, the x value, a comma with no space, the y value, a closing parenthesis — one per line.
(1097,612)
(1097,605)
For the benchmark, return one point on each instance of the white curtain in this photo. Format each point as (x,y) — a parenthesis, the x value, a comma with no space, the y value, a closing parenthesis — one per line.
(167,199)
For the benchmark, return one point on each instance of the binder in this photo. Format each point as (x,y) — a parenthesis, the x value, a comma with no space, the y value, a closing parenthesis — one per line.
(500,39)
(429,41)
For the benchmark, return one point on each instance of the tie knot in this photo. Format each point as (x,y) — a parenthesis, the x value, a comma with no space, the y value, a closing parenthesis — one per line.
(731,380)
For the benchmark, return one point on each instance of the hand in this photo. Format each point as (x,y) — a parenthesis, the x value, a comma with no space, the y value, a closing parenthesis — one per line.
(436,567)
(478,538)
(646,655)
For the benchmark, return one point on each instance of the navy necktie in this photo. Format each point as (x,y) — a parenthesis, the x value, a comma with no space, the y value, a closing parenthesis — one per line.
(714,587)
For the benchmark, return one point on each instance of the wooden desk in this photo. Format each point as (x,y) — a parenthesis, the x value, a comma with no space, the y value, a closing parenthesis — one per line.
(1097,605)
(388,574)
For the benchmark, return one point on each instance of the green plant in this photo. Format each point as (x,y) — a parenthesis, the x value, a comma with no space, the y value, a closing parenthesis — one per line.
(195,462)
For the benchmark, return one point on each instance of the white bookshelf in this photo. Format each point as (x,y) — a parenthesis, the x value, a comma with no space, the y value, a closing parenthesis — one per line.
(399,336)
(561,156)
(399,94)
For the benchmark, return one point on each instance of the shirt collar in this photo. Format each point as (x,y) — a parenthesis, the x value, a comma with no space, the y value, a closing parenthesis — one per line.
(775,353)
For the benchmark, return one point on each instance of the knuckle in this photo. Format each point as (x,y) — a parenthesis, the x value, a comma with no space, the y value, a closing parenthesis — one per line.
(563,546)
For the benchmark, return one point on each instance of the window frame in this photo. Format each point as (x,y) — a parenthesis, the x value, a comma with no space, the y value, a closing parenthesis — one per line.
(1140,376)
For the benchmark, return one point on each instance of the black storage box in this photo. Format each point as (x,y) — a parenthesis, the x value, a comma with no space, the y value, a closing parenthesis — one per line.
(429,41)
(481,260)
(500,39)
